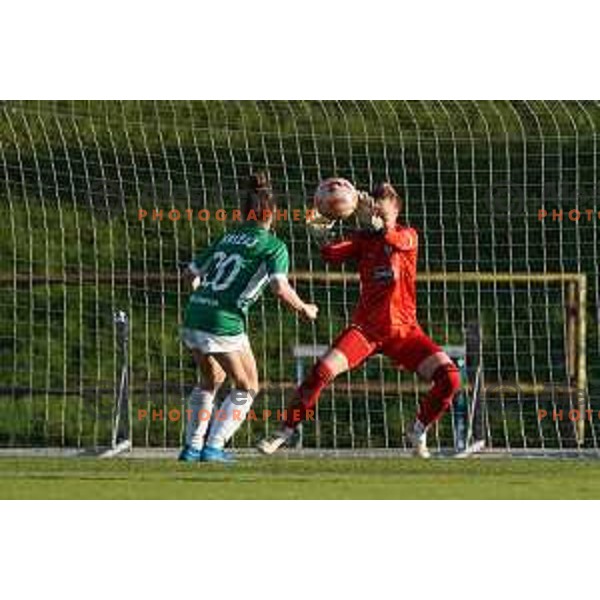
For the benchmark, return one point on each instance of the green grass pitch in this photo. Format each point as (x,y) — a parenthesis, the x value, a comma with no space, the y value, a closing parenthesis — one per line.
(299,478)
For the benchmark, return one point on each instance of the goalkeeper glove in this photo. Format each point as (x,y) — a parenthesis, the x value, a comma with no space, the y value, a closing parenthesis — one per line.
(320,227)
(365,213)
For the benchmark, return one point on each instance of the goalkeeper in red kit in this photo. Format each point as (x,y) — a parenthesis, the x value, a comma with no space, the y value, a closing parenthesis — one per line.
(384,321)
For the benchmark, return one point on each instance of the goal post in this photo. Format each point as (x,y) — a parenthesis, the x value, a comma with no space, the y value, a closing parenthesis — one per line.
(120,440)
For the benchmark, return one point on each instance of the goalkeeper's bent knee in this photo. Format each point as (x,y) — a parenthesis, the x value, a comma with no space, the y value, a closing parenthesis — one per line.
(446,383)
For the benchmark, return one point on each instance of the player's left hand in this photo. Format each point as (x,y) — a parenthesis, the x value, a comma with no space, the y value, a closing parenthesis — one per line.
(365,213)
(310,312)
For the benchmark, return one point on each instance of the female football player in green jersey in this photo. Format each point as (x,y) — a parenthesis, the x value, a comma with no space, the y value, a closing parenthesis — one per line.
(232,273)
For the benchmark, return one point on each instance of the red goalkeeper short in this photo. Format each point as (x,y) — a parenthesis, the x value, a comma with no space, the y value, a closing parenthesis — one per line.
(407,351)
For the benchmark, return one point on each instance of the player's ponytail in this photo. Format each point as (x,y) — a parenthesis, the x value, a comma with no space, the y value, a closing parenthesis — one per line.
(260,201)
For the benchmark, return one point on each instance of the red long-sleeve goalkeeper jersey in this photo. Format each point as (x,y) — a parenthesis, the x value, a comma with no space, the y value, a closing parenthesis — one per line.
(387,267)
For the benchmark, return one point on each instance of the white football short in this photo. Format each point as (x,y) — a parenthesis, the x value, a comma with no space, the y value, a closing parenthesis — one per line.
(211,343)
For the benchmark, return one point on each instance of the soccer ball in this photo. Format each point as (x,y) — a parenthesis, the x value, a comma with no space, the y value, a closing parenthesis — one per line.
(336,198)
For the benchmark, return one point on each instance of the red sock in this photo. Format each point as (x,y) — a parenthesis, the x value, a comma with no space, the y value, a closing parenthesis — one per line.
(446,383)
(307,394)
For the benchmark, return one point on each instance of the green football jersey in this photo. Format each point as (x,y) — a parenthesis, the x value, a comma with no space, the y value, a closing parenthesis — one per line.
(236,269)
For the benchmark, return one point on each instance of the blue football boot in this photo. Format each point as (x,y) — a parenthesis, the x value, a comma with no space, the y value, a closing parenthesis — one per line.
(216,455)
(189,454)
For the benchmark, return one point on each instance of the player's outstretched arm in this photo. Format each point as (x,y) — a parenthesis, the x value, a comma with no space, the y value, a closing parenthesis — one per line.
(281,288)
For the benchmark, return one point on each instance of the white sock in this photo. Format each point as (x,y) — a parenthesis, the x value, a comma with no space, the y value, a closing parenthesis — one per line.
(420,430)
(200,403)
(229,418)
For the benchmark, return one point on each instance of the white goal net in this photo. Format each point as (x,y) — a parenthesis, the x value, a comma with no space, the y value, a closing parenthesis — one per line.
(503,194)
